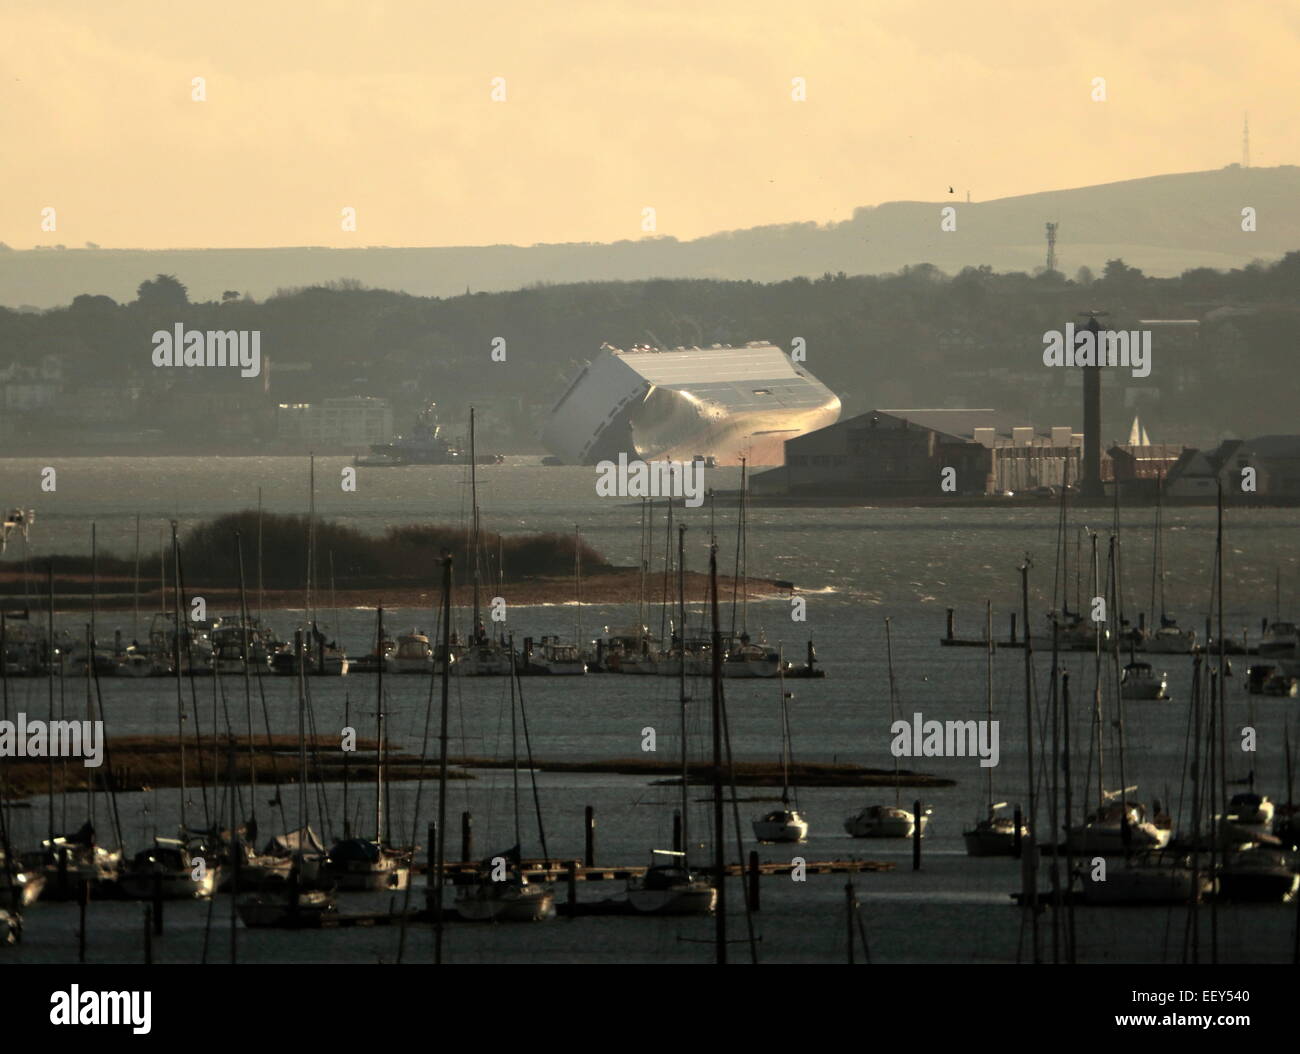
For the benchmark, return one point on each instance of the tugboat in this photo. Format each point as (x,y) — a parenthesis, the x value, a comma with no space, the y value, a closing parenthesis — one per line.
(423,446)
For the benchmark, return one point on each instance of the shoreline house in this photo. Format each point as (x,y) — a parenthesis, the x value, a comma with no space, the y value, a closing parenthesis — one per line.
(1274,459)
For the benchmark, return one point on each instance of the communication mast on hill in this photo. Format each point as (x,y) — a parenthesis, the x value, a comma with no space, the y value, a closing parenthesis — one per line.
(1051,246)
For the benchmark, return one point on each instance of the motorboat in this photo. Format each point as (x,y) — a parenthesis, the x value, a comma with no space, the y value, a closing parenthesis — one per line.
(171,869)
(671,889)
(1139,681)
(412,654)
(885,821)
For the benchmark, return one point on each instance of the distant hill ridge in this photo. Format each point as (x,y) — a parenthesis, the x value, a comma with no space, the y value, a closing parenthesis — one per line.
(1162,224)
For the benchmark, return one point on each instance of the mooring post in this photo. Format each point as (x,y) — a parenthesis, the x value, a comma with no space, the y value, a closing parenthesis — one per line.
(572,880)
(83,898)
(950,622)
(157,904)
(753,880)
(677,831)
(432,844)
(916,835)
(466,837)
(1016,838)
(589,833)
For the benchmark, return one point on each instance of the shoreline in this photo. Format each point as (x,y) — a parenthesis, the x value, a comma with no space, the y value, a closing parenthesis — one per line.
(142,763)
(620,585)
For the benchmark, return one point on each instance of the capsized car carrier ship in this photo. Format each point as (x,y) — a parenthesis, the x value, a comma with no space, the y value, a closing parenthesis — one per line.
(724,402)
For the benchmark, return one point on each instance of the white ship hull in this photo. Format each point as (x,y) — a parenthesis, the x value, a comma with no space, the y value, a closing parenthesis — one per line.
(723,402)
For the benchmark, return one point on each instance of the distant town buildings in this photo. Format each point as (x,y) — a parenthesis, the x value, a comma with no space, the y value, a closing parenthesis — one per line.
(356,421)
(1275,461)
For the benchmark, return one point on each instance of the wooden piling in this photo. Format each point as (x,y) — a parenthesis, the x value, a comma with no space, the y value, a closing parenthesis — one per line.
(951,622)
(1016,837)
(916,835)
(433,840)
(677,831)
(466,836)
(753,880)
(571,878)
(589,836)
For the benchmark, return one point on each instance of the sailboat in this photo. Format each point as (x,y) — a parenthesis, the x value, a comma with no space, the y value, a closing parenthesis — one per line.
(501,892)
(1167,638)
(1118,825)
(306,898)
(355,864)
(746,657)
(996,834)
(785,824)
(888,821)
(482,656)
(671,887)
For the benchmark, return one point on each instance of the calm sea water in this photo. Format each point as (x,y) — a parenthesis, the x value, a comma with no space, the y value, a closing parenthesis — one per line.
(855,566)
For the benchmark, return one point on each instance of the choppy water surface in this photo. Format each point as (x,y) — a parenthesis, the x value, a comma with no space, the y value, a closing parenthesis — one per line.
(855,565)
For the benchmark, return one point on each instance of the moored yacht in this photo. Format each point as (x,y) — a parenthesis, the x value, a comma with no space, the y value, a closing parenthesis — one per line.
(412,654)
(671,889)
(885,821)
(551,657)
(170,869)
(1149,878)
(1140,681)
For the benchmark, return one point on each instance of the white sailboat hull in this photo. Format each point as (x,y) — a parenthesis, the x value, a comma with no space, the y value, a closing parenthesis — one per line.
(695,899)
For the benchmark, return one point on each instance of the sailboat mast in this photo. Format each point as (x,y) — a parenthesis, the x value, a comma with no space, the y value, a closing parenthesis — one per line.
(248,691)
(135,589)
(1119,697)
(1096,689)
(51,657)
(785,730)
(440,863)
(473,501)
(681,699)
(988,688)
(311,541)
(719,858)
(577,584)
(1029,848)
(379,731)
(176,660)
(889,659)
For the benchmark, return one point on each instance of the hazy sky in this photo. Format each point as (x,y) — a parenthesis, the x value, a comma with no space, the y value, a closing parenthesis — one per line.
(610,107)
